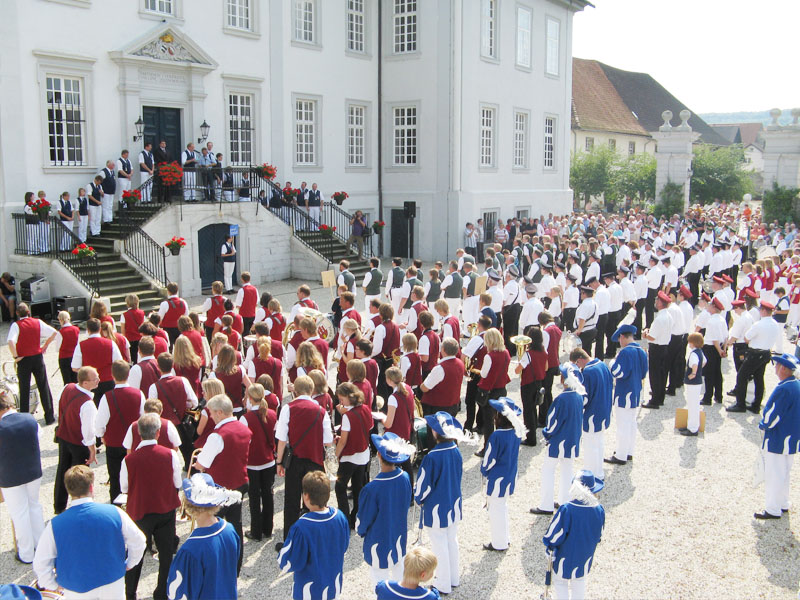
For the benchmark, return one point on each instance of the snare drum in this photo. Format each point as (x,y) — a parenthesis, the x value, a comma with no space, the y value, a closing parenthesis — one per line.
(249,340)
(421,429)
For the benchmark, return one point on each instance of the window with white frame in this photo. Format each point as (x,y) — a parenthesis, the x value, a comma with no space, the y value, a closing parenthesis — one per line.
(305,132)
(239,14)
(589,144)
(631,148)
(355,25)
(524,27)
(489,28)
(520,140)
(356,135)
(553,33)
(405,26)
(549,143)
(240,128)
(522,213)
(164,7)
(304,21)
(487,136)
(65,121)
(405,135)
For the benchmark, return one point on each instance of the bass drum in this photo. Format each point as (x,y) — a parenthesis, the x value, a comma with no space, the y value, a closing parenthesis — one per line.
(420,438)
(10,384)
(569,342)
(325,329)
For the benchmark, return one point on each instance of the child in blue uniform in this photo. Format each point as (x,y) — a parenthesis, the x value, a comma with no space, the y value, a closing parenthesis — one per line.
(499,467)
(629,370)
(205,566)
(314,549)
(599,386)
(383,509)
(420,564)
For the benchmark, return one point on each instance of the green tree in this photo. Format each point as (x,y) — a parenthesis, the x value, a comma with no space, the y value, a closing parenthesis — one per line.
(780,203)
(671,202)
(636,177)
(592,173)
(718,174)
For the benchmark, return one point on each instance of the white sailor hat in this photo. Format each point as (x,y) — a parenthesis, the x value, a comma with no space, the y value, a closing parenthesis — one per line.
(200,490)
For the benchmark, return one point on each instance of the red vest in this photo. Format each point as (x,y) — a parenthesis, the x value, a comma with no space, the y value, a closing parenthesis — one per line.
(277,326)
(201,439)
(419,308)
(454,326)
(249,301)
(433,350)
(302,415)
(341,371)
(414,373)
(161,341)
(552,347)
(277,349)
(29,340)
(366,389)
(238,322)
(448,391)
(123,346)
(229,468)
(97,352)
(352,314)
(163,436)
(172,394)
(192,375)
(216,311)
(262,444)
(151,489)
(133,319)
(234,385)
(122,413)
(308,303)
(498,372)
(324,400)
(360,418)
(69,414)
(391,341)
(372,373)
(272,367)
(323,348)
(273,402)
(535,370)
(404,414)
(150,374)
(175,308)
(69,340)
(196,338)
(376,320)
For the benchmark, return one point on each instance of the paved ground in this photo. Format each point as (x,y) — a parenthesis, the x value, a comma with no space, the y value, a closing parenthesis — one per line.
(678,520)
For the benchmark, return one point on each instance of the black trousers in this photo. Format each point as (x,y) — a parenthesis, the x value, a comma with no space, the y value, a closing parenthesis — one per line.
(161,527)
(487,414)
(248,324)
(568,319)
(262,506)
(67,374)
(172,334)
(549,377)
(34,365)
(114,458)
(134,351)
(469,401)
(349,473)
(233,515)
(753,366)
(611,326)
(650,306)
(658,370)
(712,374)
(101,389)
(382,389)
(69,455)
(676,350)
(293,490)
(694,286)
(511,325)
(739,352)
(637,322)
(599,340)
(530,396)
(209,333)
(587,337)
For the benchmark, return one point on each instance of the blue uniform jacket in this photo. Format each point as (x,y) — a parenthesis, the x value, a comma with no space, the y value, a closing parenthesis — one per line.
(599,386)
(499,464)
(781,418)
(563,429)
(382,518)
(438,489)
(629,370)
(391,590)
(573,536)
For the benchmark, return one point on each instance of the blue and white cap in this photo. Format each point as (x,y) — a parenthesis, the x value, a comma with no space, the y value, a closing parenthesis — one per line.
(200,490)
(392,448)
(787,360)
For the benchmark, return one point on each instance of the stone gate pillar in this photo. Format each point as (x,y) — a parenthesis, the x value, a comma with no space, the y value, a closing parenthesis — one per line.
(782,151)
(674,154)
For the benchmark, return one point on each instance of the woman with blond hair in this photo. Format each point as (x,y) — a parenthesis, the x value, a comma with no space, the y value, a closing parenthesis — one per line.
(186,363)
(320,393)
(270,398)
(188,330)
(276,320)
(67,341)
(493,381)
(211,388)
(265,363)
(107,331)
(218,342)
(351,335)
(308,358)
(352,447)
(131,320)
(232,377)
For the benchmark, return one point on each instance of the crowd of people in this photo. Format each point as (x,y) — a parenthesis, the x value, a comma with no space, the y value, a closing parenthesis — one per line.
(199,410)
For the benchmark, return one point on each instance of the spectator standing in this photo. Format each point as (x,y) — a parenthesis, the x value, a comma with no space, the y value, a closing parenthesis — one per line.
(471,239)
(500,233)
(228,254)
(358,227)
(314,204)
(8,294)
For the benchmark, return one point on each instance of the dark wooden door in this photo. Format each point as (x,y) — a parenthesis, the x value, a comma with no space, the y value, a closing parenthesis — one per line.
(209,243)
(399,224)
(163,124)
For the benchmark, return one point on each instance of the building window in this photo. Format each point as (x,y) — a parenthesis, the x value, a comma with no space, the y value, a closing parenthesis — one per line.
(65,121)
(489,224)
(489,28)
(355,25)
(405,135)
(356,135)
(405,26)
(240,126)
(549,143)
(589,144)
(520,140)
(631,148)
(524,25)
(305,132)
(304,15)
(163,7)
(612,144)
(239,14)
(522,213)
(553,46)
(487,136)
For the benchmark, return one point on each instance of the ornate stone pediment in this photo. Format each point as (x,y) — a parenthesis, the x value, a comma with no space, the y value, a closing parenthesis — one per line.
(168,44)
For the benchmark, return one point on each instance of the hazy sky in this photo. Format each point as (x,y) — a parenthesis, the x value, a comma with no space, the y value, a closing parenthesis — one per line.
(713,55)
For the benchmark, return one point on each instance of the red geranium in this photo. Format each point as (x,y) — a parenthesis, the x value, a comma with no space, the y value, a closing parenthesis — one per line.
(83,251)
(176,242)
(267,171)
(131,196)
(170,173)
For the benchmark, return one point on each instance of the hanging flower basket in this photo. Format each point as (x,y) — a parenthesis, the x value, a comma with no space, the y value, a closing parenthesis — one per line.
(170,173)
(289,194)
(267,171)
(41,209)
(83,252)
(326,230)
(340,197)
(131,197)
(175,245)
(377,226)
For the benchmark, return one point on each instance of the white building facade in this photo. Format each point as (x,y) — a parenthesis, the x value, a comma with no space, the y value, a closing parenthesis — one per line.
(473,98)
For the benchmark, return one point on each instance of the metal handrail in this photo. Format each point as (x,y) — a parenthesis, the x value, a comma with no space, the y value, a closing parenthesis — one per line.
(333,215)
(142,249)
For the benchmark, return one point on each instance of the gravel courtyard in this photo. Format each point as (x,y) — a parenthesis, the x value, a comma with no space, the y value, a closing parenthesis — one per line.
(679,518)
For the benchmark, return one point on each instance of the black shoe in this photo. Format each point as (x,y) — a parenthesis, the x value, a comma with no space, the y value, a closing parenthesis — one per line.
(491,548)
(684,431)
(249,535)
(278,546)
(651,405)
(705,402)
(670,392)
(754,409)
(480,453)
(539,511)
(614,461)
(732,393)
(49,421)
(735,408)
(630,458)
(763,516)
(718,400)
(784,510)
(527,443)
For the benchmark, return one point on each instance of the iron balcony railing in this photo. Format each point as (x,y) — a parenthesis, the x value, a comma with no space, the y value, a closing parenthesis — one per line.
(143,250)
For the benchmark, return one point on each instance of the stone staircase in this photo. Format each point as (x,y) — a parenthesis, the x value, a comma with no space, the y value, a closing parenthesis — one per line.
(335,250)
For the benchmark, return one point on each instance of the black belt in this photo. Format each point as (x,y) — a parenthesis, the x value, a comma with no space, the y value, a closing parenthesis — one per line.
(757,351)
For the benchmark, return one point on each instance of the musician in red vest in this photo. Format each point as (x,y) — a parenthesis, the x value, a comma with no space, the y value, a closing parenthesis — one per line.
(75,433)
(246,301)
(266,364)
(186,327)
(428,347)
(145,372)
(176,394)
(276,322)
(450,325)
(493,381)
(170,310)
(67,340)
(441,389)
(291,349)
(168,436)
(385,342)
(308,333)
(261,329)
(131,320)
(475,350)
(98,352)
(303,301)
(552,335)
(364,354)
(224,456)
(151,476)
(120,407)
(214,308)
(400,412)
(160,337)
(346,301)
(418,306)
(305,427)
(25,343)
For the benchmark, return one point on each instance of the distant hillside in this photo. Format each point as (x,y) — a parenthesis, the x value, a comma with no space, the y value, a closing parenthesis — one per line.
(746,117)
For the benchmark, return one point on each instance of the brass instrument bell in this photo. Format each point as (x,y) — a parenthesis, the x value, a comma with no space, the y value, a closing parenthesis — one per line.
(521,342)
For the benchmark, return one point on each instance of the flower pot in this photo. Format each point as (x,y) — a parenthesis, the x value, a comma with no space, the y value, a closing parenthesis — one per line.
(339,201)
(175,250)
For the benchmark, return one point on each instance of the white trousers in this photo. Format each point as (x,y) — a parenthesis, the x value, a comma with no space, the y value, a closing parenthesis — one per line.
(314,213)
(111,591)
(405,315)
(227,268)
(471,310)
(32,234)
(777,476)
(189,181)
(444,544)
(227,195)
(108,208)
(145,177)
(25,511)
(546,500)
(392,573)
(95,214)
(592,450)
(694,394)
(394,298)
(793,318)
(368,299)
(626,431)
(569,589)
(66,238)
(44,237)
(455,306)
(83,225)
(498,522)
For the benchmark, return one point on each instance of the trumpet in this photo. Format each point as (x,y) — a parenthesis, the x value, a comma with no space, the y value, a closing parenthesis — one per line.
(521,342)
(472,329)
(468,370)
(396,356)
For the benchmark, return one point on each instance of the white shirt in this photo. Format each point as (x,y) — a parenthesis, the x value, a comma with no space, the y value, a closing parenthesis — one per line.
(177,480)
(104,414)
(530,313)
(191,397)
(654,278)
(447,331)
(602,299)
(661,328)
(377,341)
(135,375)
(340,281)
(511,293)
(411,324)
(172,435)
(614,297)
(671,276)
(695,264)
(282,427)
(367,279)
(587,310)
(436,376)
(497,298)
(764,334)
(679,326)
(741,325)
(46,550)
(716,330)
(687,310)
(87,414)
(576,271)
(214,445)
(571,297)
(593,270)
(474,344)
(45,331)
(628,290)
(546,283)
